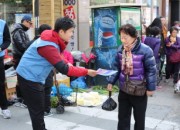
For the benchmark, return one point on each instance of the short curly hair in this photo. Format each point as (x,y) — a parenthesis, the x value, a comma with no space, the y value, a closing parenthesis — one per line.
(155,31)
(44,27)
(64,24)
(129,30)
(173,28)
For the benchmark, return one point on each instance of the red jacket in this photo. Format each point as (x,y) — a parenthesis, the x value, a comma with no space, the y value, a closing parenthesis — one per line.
(68,56)
(51,54)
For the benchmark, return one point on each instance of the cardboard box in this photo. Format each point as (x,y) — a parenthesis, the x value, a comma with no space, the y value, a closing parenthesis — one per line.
(63,79)
(10,92)
(11,86)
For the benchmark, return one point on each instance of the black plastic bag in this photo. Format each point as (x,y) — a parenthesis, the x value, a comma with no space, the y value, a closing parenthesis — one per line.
(109,104)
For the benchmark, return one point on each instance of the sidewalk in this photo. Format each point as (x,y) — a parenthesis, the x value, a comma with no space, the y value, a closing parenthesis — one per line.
(163,113)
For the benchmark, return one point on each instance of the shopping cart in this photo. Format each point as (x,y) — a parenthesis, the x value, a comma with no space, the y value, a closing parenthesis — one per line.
(62,100)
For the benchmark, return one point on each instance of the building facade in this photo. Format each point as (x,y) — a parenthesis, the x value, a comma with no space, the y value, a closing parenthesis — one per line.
(47,11)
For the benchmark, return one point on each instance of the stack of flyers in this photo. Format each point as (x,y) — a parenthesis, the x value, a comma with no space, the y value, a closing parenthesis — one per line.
(105,72)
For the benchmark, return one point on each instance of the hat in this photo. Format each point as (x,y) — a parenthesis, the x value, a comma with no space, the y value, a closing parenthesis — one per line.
(27,18)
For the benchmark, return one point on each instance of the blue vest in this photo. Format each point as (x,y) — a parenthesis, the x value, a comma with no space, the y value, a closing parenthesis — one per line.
(33,66)
(2,24)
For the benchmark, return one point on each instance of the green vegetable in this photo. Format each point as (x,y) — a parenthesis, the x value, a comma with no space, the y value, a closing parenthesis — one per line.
(54,102)
(103,89)
(80,90)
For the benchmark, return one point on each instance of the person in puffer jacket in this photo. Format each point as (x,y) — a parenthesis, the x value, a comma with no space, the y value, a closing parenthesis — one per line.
(153,40)
(20,38)
(172,45)
(135,62)
(20,42)
(38,61)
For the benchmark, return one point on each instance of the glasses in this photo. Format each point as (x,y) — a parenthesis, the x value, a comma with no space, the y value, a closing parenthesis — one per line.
(29,22)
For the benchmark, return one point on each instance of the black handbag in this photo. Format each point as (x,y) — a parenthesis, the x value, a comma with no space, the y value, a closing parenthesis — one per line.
(134,87)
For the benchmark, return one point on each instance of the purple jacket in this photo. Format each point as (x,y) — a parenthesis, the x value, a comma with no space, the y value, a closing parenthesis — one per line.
(144,67)
(138,69)
(172,48)
(154,43)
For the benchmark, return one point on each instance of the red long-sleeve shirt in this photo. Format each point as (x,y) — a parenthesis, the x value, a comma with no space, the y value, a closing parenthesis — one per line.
(52,55)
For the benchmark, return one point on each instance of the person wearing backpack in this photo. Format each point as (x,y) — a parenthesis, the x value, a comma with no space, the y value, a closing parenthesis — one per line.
(20,42)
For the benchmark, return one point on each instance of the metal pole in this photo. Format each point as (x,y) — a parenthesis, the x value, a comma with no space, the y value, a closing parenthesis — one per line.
(36,15)
(77,24)
(152,6)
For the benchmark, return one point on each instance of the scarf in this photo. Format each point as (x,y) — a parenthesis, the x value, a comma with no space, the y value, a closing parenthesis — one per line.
(127,59)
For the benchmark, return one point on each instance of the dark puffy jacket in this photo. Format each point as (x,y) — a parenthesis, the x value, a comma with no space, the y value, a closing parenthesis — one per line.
(20,40)
(172,48)
(144,66)
(154,43)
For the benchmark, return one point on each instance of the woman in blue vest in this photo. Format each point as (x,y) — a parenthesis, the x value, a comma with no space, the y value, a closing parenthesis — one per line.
(5,41)
(37,62)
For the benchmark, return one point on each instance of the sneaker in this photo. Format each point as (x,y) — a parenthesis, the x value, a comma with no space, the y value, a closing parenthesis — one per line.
(6,114)
(158,87)
(176,87)
(46,114)
(19,104)
(166,80)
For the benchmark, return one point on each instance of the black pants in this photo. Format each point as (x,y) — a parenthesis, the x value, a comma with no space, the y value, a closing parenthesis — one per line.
(33,94)
(3,99)
(158,77)
(16,62)
(47,90)
(162,59)
(126,103)
(172,69)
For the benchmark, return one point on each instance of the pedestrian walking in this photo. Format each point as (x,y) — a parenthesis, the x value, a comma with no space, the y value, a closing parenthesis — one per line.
(173,51)
(162,47)
(153,41)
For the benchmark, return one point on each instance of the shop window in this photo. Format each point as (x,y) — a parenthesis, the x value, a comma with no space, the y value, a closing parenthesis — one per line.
(12,12)
(10,8)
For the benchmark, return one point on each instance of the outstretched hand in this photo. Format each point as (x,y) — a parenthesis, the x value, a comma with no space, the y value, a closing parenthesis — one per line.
(92,73)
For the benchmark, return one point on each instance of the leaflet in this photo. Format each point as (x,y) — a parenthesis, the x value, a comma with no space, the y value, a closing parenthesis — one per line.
(105,72)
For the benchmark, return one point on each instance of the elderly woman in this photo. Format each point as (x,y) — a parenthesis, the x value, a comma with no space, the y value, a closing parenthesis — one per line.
(172,46)
(137,78)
